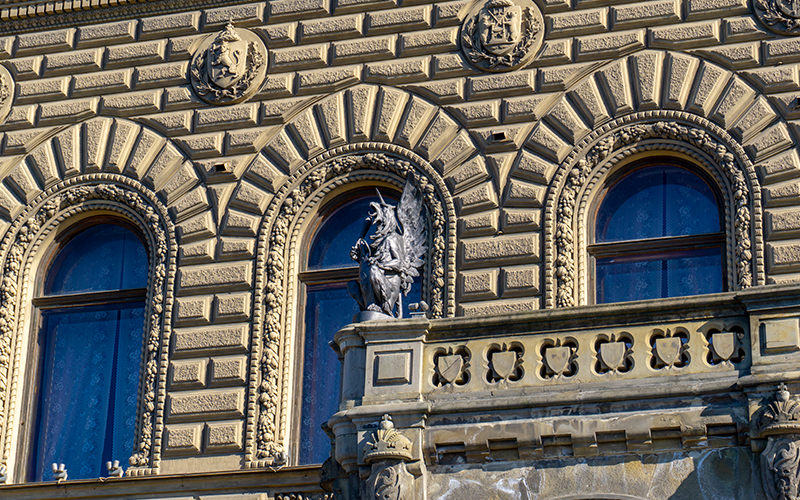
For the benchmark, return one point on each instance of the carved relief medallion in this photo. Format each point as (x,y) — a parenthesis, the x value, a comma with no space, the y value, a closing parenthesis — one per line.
(6,92)
(781,16)
(229,67)
(501,35)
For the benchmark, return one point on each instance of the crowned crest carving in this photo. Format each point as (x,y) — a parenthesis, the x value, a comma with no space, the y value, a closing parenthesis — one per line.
(779,423)
(229,67)
(387,453)
(387,444)
(781,16)
(502,34)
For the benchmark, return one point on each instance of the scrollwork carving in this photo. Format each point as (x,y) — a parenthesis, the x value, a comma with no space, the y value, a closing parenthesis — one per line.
(779,422)
(387,452)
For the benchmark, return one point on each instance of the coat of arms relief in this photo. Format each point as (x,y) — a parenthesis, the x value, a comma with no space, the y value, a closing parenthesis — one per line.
(502,35)
(781,16)
(229,67)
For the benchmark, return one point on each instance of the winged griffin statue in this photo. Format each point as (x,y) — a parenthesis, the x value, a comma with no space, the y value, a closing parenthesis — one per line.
(390,261)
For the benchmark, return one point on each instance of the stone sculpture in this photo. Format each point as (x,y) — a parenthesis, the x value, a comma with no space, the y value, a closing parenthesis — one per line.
(781,16)
(229,67)
(387,453)
(779,423)
(502,35)
(389,262)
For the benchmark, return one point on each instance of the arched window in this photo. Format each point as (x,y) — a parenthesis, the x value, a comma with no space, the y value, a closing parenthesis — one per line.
(328,307)
(89,349)
(658,233)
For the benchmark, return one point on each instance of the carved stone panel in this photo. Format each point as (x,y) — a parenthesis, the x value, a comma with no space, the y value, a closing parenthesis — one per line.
(229,67)
(502,35)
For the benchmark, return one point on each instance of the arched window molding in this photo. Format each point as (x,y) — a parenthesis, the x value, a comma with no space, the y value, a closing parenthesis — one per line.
(21,249)
(280,238)
(677,133)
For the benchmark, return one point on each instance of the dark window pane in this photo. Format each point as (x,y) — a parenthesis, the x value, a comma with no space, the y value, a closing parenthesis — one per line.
(102,257)
(667,274)
(328,308)
(89,388)
(656,202)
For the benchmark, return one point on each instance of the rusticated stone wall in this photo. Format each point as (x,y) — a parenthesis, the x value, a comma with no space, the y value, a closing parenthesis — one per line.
(102,95)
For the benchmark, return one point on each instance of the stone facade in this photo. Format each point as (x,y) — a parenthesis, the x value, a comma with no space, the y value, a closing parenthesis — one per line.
(515,386)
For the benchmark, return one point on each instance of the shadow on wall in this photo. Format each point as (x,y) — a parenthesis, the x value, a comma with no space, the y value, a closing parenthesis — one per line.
(719,474)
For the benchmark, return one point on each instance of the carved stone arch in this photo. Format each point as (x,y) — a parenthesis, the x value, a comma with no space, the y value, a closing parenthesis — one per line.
(114,146)
(580,176)
(80,196)
(364,113)
(279,241)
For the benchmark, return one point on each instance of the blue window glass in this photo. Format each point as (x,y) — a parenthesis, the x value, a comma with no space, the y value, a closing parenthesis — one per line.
(658,233)
(329,307)
(90,355)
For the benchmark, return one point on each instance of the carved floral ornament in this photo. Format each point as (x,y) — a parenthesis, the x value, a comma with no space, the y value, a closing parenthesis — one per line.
(502,35)
(579,174)
(779,422)
(229,66)
(781,16)
(97,192)
(277,259)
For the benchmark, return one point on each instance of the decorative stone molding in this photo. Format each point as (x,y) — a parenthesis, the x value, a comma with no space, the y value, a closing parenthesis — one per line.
(779,423)
(502,35)
(647,132)
(6,92)
(780,16)
(229,67)
(84,194)
(387,453)
(277,265)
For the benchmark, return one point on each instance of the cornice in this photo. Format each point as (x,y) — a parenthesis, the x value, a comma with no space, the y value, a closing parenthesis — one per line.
(21,17)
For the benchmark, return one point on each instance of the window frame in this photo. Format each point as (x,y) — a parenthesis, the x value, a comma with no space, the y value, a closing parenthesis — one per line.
(652,246)
(30,394)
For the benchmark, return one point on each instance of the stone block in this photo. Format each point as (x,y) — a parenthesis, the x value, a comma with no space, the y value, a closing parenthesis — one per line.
(737,56)
(106,33)
(497,307)
(133,54)
(710,82)
(302,57)
(519,220)
(735,99)
(501,85)
(332,28)
(241,15)
(296,9)
(160,75)
(645,14)
(46,89)
(546,142)
(202,145)
(328,79)
(392,368)
(608,45)
(21,117)
(193,310)
(205,404)
(233,276)
(680,71)
(520,280)
(429,41)
(476,114)
(480,284)
(699,9)
(398,20)
(366,49)
(228,370)
(578,22)
(187,374)
(738,29)
(223,436)
(52,113)
(398,71)
(772,140)
(240,115)
(182,23)
(45,41)
(236,248)
(783,221)
(217,340)
(197,253)
(775,78)
(25,68)
(446,65)
(783,256)
(73,61)
(486,223)
(781,51)
(280,35)
(556,51)
(440,91)
(238,223)
(102,82)
(781,335)
(500,248)
(525,108)
(562,76)
(145,101)
(783,166)
(686,35)
(179,98)
(183,439)
(343,6)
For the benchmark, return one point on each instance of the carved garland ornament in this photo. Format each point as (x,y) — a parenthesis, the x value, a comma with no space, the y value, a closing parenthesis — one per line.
(70,198)
(781,16)
(268,448)
(565,273)
(502,35)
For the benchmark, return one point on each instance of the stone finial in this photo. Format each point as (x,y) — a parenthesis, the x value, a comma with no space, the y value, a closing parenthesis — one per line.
(387,444)
(59,472)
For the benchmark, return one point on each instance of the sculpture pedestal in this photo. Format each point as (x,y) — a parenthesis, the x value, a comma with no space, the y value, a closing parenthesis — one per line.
(364,316)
